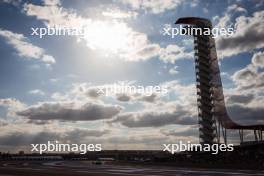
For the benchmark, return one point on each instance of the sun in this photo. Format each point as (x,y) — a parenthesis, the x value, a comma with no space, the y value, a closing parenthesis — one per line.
(110,36)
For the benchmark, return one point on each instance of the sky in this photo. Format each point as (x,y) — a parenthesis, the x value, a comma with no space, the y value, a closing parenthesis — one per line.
(48,86)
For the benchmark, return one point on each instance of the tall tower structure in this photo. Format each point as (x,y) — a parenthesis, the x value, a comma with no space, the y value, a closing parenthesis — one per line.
(205,54)
(212,113)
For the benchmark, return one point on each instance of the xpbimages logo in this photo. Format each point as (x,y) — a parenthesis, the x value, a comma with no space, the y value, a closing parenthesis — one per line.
(181,147)
(192,30)
(56,146)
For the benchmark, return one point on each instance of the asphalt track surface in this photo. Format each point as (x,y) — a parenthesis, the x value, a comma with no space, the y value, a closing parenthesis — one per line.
(77,168)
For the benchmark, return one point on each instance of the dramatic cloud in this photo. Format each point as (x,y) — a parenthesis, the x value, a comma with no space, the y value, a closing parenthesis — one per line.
(173,52)
(258,59)
(83,133)
(147,98)
(3,123)
(12,105)
(68,112)
(156,118)
(117,13)
(11,102)
(36,92)
(174,71)
(13,2)
(24,48)
(246,115)
(137,142)
(245,77)
(112,36)
(147,52)
(26,138)
(248,36)
(93,93)
(137,98)
(51,2)
(185,131)
(245,99)
(123,97)
(118,91)
(153,6)
(236,8)
(250,77)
